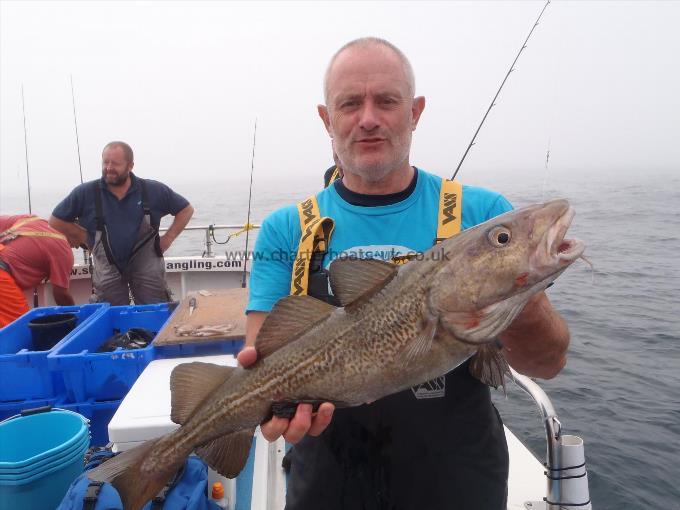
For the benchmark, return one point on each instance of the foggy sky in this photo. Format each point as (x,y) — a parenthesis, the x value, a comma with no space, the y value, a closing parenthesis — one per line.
(183,83)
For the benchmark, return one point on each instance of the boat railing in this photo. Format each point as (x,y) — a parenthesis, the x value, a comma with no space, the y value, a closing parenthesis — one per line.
(209,230)
(209,239)
(567,478)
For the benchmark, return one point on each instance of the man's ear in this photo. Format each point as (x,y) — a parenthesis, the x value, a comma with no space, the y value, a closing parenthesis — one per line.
(323,113)
(416,110)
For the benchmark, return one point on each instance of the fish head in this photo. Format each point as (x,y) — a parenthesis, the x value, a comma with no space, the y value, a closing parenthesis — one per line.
(487,274)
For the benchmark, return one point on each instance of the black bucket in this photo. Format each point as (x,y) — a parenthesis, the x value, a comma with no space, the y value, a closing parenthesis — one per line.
(49,329)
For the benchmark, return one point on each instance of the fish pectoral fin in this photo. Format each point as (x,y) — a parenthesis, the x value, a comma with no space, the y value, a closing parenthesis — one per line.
(355,281)
(227,454)
(289,319)
(191,383)
(489,365)
(478,326)
(422,343)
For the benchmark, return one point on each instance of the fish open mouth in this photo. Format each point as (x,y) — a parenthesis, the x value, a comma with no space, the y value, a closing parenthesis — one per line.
(563,250)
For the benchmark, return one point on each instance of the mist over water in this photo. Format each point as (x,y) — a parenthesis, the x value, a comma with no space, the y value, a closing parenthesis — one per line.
(620,390)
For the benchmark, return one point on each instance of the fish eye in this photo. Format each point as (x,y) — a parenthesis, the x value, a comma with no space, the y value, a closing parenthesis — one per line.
(499,236)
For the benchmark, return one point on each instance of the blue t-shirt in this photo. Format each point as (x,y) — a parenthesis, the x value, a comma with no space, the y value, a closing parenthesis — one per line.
(381,232)
(122,217)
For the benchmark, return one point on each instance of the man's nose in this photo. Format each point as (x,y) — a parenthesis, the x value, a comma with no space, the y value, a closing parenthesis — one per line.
(369,119)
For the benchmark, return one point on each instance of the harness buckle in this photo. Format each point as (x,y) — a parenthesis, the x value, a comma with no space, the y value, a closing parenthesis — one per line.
(92,493)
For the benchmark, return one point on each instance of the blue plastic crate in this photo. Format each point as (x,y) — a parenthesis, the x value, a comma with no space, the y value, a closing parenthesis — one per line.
(199,349)
(8,409)
(24,373)
(99,413)
(88,374)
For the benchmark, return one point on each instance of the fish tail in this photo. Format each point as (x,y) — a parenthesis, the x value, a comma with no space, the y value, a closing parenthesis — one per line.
(134,484)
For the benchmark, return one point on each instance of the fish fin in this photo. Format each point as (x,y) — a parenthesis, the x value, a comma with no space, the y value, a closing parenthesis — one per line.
(288,320)
(191,383)
(423,342)
(227,454)
(489,365)
(355,281)
(124,472)
(478,326)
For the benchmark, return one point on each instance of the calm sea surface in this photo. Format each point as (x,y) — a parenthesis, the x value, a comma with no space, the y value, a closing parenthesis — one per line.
(620,390)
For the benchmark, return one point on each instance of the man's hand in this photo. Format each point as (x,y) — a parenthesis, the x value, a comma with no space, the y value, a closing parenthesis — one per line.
(79,241)
(164,242)
(305,422)
(176,227)
(74,233)
(62,296)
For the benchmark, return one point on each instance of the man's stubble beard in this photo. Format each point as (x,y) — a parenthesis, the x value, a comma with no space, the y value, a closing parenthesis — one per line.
(118,181)
(375,172)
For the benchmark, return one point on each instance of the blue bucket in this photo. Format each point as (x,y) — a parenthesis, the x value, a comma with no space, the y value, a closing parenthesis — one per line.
(40,455)
(25,440)
(45,464)
(75,458)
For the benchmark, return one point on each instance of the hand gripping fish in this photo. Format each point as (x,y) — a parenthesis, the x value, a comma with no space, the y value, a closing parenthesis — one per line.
(397,327)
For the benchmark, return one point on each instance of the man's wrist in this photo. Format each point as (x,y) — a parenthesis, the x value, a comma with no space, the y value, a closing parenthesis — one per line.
(170,237)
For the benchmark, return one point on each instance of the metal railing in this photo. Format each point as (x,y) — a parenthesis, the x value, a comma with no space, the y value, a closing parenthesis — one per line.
(209,239)
(209,234)
(566,475)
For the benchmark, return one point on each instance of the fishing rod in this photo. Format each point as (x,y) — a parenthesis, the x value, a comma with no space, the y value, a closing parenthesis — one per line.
(86,253)
(75,123)
(493,101)
(545,173)
(28,175)
(250,196)
(28,180)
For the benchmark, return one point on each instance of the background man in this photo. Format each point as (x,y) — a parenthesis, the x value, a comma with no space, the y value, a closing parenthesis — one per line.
(402,452)
(30,252)
(118,218)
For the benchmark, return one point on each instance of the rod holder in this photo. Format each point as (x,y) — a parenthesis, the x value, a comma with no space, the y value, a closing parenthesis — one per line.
(566,475)
(208,241)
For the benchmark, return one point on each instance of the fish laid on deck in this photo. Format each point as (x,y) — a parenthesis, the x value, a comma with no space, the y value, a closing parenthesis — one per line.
(397,327)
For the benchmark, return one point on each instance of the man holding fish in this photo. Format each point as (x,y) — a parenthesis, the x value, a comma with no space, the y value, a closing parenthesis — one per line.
(440,444)
(424,277)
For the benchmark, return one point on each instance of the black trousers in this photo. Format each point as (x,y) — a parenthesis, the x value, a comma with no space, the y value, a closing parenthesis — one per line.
(442,451)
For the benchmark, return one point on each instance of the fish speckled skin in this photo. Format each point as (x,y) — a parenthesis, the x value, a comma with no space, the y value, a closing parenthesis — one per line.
(422,320)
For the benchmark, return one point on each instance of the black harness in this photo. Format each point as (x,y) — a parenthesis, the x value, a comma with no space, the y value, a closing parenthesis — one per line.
(101,223)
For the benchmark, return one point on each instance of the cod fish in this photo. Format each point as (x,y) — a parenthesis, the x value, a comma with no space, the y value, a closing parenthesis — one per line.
(397,327)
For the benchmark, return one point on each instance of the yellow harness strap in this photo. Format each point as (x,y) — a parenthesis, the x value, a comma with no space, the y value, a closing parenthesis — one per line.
(14,231)
(334,176)
(316,235)
(450,210)
(317,231)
